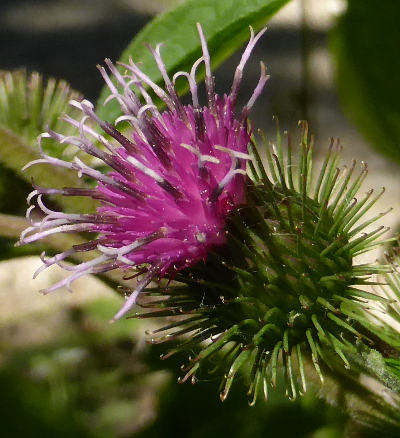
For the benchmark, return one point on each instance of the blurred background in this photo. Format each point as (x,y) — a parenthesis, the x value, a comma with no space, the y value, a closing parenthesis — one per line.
(64,371)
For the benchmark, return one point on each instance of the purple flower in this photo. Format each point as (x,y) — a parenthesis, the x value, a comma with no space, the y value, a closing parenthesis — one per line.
(173,179)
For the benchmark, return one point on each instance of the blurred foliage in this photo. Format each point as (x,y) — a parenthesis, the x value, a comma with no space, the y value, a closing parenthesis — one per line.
(365,45)
(225,25)
(90,379)
(86,379)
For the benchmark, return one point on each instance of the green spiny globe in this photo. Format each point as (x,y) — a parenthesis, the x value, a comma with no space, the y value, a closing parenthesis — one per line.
(286,289)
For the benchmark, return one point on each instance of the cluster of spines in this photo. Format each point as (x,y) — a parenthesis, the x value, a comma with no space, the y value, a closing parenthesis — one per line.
(27,104)
(244,318)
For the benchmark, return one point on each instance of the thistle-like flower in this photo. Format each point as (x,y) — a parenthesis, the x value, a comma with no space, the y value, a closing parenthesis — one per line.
(263,258)
(171,184)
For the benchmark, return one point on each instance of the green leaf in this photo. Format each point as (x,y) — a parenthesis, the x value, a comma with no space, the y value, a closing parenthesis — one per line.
(225,25)
(365,46)
(27,108)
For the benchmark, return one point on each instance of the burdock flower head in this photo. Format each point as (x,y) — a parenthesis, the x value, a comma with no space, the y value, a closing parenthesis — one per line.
(171,183)
(263,257)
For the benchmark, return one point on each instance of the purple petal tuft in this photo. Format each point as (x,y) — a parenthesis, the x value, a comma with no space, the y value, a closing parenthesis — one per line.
(172,181)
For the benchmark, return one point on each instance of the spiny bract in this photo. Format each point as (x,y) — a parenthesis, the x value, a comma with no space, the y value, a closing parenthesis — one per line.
(286,288)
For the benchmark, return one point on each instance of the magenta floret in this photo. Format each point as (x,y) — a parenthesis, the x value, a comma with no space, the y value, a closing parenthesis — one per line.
(173,179)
